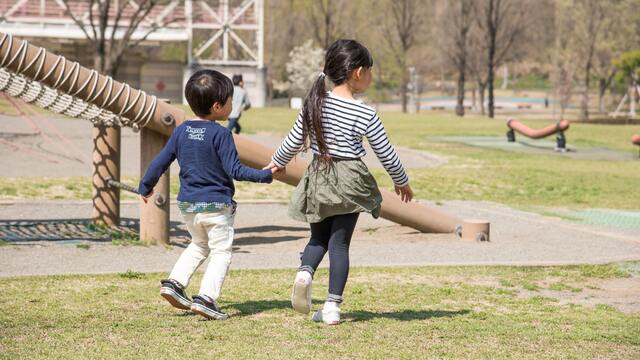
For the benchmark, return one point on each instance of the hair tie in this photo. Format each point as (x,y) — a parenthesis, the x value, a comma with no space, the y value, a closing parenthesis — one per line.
(322,74)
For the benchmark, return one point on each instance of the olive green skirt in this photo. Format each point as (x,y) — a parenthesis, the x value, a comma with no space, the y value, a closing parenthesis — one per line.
(345,187)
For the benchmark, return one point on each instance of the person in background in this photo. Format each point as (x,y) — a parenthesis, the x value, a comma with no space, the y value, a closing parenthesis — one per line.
(240,102)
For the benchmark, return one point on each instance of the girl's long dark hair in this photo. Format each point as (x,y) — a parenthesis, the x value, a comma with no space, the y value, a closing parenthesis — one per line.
(342,57)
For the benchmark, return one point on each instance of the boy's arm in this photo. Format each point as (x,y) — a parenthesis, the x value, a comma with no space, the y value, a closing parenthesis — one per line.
(385,152)
(158,166)
(233,167)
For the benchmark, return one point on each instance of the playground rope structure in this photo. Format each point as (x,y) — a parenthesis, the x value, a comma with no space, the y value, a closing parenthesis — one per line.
(56,100)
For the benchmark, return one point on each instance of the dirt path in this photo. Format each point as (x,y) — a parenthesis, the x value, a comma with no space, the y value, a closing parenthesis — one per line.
(267,238)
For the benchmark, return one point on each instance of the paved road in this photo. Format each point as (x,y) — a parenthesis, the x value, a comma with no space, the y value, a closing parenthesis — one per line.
(266,238)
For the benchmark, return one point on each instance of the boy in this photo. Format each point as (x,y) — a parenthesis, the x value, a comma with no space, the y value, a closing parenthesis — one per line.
(240,103)
(208,163)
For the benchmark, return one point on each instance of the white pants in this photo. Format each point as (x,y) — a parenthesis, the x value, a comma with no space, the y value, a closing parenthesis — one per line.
(211,236)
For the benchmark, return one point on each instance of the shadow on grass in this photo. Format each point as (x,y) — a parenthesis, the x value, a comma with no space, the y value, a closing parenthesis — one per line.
(248,308)
(405,315)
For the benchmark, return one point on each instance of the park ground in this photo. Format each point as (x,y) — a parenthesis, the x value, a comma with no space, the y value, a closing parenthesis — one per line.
(587,310)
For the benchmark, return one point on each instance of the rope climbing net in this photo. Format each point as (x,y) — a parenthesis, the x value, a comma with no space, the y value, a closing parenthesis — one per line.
(32,91)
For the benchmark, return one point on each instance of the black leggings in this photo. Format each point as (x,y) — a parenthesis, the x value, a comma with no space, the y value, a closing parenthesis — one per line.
(332,234)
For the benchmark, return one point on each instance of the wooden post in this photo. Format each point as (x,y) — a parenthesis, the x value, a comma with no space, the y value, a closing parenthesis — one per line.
(106,164)
(154,215)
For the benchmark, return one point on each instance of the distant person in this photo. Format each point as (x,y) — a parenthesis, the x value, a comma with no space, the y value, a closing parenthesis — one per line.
(337,186)
(209,163)
(240,102)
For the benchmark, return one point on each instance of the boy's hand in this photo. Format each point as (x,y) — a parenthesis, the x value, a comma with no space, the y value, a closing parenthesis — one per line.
(405,192)
(146,198)
(278,173)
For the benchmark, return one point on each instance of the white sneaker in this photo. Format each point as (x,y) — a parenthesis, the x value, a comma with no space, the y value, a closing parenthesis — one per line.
(330,314)
(301,295)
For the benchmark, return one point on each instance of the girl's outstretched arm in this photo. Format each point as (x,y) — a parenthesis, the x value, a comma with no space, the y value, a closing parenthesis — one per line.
(385,152)
(290,146)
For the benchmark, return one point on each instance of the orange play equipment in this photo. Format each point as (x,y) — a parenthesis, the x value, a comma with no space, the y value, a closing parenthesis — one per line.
(558,128)
(635,140)
(55,83)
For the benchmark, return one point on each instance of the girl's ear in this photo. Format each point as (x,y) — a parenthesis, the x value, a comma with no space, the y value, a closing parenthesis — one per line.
(357,73)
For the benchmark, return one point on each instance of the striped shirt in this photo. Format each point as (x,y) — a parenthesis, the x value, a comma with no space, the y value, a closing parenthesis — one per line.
(344,123)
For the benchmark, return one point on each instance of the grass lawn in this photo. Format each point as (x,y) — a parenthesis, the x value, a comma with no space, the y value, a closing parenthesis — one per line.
(472,173)
(412,312)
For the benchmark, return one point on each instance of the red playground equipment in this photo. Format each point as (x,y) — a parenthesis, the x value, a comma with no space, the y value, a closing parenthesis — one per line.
(559,128)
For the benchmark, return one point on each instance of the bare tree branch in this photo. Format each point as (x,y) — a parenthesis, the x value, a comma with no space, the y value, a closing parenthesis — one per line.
(77,21)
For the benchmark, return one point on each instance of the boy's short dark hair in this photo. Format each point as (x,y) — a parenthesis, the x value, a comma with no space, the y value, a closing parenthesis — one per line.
(205,88)
(236,79)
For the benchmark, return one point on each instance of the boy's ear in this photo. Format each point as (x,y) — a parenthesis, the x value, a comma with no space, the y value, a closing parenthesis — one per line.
(215,107)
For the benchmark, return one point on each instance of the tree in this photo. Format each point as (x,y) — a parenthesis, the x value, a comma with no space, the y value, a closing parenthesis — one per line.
(592,15)
(456,24)
(564,57)
(503,23)
(324,18)
(614,39)
(113,36)
(401,30)
(305,63)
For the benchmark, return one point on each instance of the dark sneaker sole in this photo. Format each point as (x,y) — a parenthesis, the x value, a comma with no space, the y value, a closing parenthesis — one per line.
(175,299)
(208,313)
(300,297)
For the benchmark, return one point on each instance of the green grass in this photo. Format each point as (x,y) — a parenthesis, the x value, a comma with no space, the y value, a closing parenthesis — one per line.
(408,312)
(472,173)
(118,236)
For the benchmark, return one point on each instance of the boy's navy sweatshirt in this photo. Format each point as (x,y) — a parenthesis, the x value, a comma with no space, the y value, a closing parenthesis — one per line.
(208,162)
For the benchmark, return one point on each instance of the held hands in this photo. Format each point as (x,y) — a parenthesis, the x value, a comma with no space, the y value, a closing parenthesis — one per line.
(405,192)
(276,171)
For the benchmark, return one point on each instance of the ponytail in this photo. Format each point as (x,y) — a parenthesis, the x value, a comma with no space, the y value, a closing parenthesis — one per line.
(312,119)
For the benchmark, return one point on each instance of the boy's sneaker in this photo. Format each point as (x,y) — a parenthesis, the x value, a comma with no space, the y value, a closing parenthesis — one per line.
(301,294)
(174,293)
(205,306)
(330,314)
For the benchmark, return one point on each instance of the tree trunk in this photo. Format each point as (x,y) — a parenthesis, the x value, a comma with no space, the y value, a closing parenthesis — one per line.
(584,103)
(403,90)
(490,79)
(602,89)
(493,32)
(473,99)
(460,98)
(481,88)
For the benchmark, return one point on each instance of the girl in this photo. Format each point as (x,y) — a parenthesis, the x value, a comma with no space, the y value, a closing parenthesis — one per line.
(337,185)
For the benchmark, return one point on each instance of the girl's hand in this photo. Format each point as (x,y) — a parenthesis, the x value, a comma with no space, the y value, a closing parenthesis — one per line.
(405,192)
(278,173)
(146,198)
(271,166)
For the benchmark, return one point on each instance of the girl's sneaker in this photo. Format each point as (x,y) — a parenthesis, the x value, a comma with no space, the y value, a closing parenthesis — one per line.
(301,295)
(330,314)
(174,293)
(207,307)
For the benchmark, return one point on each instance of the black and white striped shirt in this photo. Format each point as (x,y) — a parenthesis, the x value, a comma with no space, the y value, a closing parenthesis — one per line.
(344,123)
